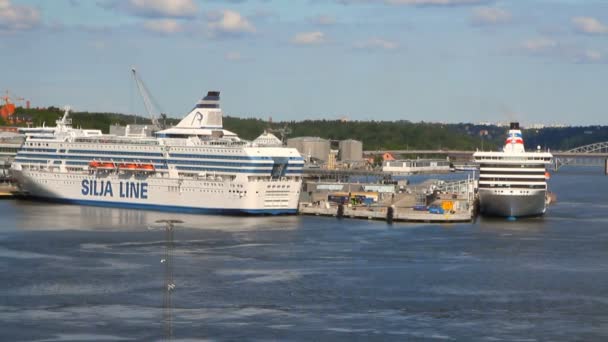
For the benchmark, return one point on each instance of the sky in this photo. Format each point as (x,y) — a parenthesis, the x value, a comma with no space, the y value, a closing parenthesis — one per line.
(534,61)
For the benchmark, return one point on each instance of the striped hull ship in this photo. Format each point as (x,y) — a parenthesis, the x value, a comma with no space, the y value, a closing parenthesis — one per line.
(194,167)
(513,183)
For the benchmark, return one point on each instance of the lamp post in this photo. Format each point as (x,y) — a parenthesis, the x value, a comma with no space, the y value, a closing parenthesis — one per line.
(169,285)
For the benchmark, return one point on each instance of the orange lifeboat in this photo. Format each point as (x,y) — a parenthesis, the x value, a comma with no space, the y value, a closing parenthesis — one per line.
(127,166)
(547,175)
(107,165)
(146,167)
(94,164)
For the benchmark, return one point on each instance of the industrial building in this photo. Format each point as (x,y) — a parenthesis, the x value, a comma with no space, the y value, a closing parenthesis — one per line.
(311,147)
(351,150)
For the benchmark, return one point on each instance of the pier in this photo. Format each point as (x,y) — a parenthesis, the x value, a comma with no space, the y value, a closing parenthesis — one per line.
(431,202)
(7,190)
(337,174)
(388,214)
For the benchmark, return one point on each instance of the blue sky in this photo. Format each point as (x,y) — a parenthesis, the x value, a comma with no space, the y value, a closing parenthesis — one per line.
(534,61)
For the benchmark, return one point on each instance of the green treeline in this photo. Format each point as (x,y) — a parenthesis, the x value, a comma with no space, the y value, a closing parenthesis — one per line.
(375,135)
(87,120)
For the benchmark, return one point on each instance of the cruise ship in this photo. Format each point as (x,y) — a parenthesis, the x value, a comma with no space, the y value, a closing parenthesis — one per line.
(195,167)
(513,183)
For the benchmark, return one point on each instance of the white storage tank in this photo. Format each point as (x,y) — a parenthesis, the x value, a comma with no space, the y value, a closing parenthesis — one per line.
(351,150)
(313,147)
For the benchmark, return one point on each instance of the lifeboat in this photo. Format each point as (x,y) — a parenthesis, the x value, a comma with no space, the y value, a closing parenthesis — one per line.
(127,166)
(107,165)
(101,165)
(136,167)
(145,167)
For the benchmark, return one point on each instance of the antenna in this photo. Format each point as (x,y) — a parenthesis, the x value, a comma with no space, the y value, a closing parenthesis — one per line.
(283,132)
(149,103)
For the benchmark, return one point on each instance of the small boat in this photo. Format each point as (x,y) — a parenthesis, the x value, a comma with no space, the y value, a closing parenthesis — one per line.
(127,166)
(107,165)
(146,167)
(101,165)
(136,167)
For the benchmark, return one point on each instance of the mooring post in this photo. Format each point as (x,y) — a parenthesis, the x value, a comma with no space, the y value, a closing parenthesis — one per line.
(555,164)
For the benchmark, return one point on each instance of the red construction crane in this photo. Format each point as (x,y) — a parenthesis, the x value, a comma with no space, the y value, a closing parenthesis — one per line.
(8,108)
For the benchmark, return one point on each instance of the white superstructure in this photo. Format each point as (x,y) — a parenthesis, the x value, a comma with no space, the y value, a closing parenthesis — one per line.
(412,166)
(196,166)
(512,182)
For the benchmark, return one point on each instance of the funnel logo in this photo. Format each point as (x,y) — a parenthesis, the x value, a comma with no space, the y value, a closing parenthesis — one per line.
(515,138)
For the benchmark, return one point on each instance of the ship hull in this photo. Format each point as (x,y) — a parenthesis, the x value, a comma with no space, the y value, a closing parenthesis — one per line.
(520,204)
(162,194)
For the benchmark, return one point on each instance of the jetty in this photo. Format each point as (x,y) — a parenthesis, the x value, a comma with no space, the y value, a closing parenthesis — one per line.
(431,202)
(7,190)
(389,214)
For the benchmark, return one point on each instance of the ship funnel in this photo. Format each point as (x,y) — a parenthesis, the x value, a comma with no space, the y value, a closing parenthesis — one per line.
(206,113)
(212,100)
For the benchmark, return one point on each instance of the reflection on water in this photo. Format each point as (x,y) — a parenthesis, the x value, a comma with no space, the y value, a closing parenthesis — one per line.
(33,215)
(72,273)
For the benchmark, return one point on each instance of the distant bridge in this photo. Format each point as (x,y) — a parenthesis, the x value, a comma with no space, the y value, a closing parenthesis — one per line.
(578,152)
(592,154)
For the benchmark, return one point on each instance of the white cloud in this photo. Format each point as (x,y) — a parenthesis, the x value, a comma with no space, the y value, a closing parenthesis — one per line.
(591,56)
(233,56)
(17,18)
(377,44)
(589,25)
(490,16)
(418,2)
(434,2)
(324,20)
(562,51)
(98,45)
(229,22)
(309,38)
(154,8)
(537,45)
(165,26)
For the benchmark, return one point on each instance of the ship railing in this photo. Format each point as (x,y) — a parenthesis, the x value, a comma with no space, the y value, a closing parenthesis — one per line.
(461,186)
(198,142)
(115,140)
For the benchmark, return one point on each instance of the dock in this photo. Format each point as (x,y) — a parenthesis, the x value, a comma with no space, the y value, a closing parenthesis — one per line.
(432,201)
(389,214)
(7,190)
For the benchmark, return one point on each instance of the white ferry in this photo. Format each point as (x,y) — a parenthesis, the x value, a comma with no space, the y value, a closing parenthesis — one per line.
(513,183)
(196,167)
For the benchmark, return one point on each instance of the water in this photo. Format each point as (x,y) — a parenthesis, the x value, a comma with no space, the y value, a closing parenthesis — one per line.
(71,273)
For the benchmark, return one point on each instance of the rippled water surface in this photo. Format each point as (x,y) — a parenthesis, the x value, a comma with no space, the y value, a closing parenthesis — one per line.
(72,273)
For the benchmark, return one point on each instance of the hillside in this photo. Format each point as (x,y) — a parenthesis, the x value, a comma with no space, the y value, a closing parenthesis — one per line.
(374,134)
